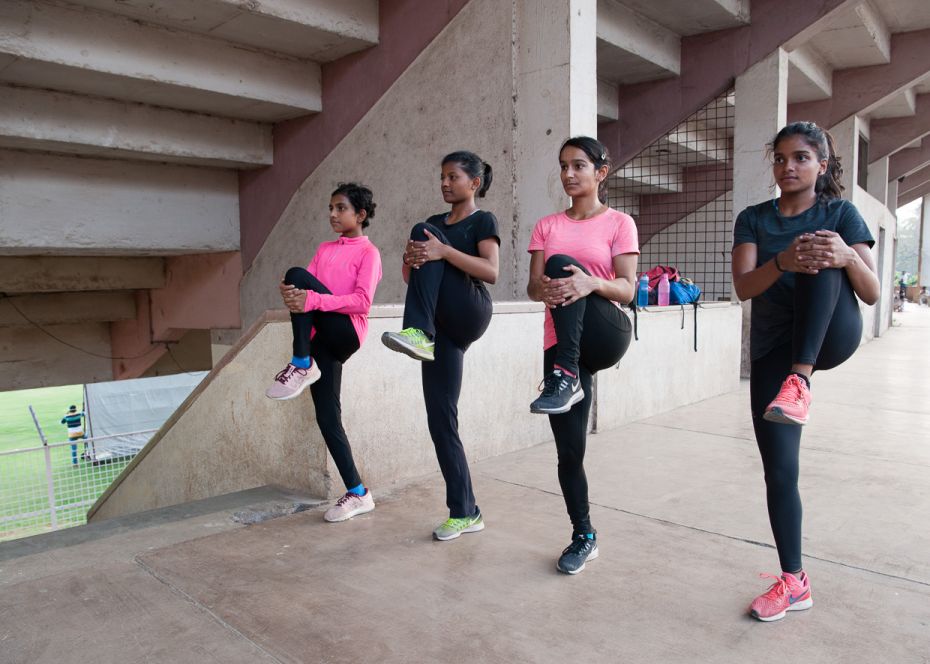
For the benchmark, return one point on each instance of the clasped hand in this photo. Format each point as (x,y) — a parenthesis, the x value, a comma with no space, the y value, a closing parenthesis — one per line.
(294,298)
(812,252)
(418,252)
(568,290)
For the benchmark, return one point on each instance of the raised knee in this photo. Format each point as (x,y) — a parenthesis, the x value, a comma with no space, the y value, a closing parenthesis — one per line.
(556,264)
(293,275)
(418,232)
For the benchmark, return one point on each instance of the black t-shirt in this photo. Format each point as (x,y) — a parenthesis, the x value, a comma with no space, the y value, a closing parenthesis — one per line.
(465,235)
(773,312)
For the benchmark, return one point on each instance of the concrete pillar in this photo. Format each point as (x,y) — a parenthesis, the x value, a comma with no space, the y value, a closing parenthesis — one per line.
(923,260)
(846,140)
(556,97)
(761,110)
(893,196)
(878,182)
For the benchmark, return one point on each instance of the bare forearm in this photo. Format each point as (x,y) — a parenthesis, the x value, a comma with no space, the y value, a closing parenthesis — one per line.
(755,282)
(864,281)
(475,266)
(618,290)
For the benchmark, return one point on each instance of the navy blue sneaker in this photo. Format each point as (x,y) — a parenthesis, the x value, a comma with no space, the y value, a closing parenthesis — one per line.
(582,549)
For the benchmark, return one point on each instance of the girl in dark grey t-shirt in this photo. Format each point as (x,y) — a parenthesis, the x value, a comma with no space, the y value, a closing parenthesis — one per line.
(803,258)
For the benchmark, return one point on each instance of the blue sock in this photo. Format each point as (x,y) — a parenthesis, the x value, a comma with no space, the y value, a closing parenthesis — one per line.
(358,490)
(301,362)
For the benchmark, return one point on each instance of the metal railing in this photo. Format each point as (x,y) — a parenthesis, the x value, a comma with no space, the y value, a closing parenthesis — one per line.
(51,487)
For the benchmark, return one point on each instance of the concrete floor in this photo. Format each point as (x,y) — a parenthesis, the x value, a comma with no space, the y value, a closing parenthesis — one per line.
(678,503)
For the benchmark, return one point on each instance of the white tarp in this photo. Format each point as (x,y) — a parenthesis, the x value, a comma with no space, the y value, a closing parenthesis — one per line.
(125,406)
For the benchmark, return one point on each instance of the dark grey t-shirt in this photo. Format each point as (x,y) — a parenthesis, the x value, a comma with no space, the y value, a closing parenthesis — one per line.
(773,311)
(465,235)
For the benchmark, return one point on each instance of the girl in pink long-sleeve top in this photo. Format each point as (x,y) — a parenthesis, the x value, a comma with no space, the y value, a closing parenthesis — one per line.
(329,303)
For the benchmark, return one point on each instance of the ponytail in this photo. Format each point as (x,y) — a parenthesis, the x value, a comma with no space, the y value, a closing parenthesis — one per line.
(828,185)
(473,166)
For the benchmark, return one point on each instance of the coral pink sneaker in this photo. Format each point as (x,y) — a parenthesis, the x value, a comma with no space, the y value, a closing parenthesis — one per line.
(791,404)
(350,505)
(788,593)
(291,381)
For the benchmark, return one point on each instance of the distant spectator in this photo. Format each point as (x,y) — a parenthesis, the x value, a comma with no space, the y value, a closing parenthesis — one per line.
(902,286)
(74,420)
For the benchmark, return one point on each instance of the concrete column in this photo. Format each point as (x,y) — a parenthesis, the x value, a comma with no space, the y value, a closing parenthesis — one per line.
(555,87)
(923,264)
(761,110)
(893,196)
(878,182)
(846,140)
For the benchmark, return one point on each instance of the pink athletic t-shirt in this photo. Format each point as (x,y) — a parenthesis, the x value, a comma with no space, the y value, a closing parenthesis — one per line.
(592,242)
(350,268)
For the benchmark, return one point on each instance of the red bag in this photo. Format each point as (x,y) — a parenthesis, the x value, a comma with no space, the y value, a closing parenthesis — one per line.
(655,274)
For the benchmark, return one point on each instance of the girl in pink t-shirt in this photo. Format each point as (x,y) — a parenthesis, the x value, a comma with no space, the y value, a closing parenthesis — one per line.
(583,267)
(329,303)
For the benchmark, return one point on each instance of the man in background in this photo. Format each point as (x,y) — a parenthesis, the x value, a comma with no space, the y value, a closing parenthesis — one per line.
(74,420)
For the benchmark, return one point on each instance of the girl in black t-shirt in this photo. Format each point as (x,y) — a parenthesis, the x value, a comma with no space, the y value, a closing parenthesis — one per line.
(802,258)
(447,261)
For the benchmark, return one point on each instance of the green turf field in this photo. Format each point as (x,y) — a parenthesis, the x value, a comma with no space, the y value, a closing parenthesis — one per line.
(23,480)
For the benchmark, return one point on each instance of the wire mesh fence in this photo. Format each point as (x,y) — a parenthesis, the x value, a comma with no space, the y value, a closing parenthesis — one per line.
(51,487)
(679,190)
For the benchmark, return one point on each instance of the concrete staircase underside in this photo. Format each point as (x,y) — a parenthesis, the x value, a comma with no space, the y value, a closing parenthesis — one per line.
(123,128)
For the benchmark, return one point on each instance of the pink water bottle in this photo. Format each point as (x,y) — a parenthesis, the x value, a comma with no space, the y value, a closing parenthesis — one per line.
(663,291)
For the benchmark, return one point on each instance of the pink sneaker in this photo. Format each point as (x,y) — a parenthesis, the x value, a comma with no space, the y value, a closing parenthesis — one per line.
(291,381)
(791,404)
(788,593)
(350,505)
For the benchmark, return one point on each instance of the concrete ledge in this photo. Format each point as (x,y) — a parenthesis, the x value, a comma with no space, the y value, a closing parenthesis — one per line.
(228,437)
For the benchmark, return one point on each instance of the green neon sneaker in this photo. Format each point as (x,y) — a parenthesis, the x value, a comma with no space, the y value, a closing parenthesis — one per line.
(452,528)
(410,341)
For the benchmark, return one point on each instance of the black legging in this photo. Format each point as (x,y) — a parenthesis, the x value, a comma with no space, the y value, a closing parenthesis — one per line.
(334,342)
(827,331)
(592,334)
(447,304)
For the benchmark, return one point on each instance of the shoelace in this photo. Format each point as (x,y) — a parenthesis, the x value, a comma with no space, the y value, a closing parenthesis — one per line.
(778,589)
(796,393)
(460,522)
(577,546)
(346,498)
(554,383)
(285,374)
(415,335)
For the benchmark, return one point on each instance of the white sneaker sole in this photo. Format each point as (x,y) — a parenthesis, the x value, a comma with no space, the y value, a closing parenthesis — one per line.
(797,606)
(313,377)
(593,555)
(471,529)
(399,345)
(576,397)
(777,415)
(349,515)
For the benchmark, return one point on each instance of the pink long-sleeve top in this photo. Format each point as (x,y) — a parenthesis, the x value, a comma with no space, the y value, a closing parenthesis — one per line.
(350,268)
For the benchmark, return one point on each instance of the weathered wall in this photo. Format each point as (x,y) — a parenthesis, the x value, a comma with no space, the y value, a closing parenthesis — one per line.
(661,371)
(877,216)
(73,205)
(453,96)
(31,359)
(228,436)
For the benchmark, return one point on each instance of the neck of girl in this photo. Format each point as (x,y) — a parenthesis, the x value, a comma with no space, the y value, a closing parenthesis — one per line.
(585,207)
(355,232)
(461,210)
(794,203)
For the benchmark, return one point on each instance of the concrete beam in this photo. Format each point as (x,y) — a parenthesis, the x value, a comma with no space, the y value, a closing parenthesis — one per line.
(709,63)
(904,162)
(889,136)
(59,308)
(607,103)
(60,47)
(691,17)
(31,358)
(70,205)
(912,195)
(914,181)
(200,293)
(856,37)
(48,274)
(632,48)
(810,77)
(901,104)
(860,90)
(322,30)
(61,122)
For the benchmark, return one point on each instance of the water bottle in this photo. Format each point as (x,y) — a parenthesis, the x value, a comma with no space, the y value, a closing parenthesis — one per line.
(663,291)
(642,292)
